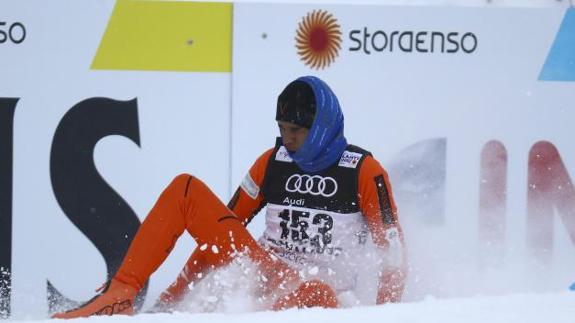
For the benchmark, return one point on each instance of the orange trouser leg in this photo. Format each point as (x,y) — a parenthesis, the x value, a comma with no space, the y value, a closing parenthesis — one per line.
(312,293)
(188,204)
(220,236)
(157,235)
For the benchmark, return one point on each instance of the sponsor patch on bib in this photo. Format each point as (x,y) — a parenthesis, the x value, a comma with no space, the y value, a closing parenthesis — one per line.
(349,159)
(283,155)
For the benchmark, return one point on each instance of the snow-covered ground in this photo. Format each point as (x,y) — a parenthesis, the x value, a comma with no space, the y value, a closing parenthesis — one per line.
(523,308)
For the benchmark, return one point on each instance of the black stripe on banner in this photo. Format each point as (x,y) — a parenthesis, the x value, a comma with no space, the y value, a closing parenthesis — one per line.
(384,201)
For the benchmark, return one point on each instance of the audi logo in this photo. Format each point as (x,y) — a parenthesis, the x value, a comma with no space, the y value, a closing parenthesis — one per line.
(311,184)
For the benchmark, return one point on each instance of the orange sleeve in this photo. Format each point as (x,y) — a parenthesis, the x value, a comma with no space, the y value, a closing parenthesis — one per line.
(248,199)
(246,203)
(378,207)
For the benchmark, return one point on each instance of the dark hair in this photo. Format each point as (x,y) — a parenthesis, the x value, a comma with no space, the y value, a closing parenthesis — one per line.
(296,104)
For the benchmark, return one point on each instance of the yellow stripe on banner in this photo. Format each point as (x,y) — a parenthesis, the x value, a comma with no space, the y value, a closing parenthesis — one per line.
(167,36)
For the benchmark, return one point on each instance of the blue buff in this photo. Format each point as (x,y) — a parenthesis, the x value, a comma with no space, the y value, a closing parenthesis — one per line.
(325,142)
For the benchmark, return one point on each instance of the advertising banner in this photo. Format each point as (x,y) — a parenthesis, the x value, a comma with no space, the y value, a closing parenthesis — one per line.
(104,110)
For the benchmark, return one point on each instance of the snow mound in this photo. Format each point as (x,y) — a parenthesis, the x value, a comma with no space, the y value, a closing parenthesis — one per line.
(524,308)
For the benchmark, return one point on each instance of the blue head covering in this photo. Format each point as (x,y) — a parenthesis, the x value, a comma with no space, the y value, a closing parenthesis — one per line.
(325,142)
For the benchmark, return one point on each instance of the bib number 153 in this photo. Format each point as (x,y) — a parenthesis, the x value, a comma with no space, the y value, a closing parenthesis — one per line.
(297,226)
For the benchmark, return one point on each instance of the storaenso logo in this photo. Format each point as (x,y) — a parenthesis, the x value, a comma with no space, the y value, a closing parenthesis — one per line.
(411,41)
(318,40)
(314,185)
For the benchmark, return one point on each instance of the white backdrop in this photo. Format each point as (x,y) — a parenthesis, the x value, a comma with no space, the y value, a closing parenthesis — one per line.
(214,125)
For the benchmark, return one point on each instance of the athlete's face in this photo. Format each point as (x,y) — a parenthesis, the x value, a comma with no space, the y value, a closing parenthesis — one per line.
(293,135)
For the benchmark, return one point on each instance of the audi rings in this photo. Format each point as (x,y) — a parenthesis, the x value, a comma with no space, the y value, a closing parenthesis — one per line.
(314,185)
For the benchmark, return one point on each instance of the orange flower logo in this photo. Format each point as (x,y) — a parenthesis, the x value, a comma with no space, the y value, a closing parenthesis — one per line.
(318,39)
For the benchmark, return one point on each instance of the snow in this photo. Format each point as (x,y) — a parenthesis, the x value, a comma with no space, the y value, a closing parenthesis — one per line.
(525,308)
(505,293)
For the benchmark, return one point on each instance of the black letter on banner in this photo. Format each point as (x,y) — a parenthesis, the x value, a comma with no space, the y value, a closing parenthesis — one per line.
(409,35)
(22,30)
(420,40)
(3,33)
(463,43)
(450,40)
(382,33)
(365,38)
(441,37)
(355,40)
(7,108)
(84,196)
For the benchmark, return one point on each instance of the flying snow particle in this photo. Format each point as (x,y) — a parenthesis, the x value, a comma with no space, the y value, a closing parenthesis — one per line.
(313,271)
(211,299)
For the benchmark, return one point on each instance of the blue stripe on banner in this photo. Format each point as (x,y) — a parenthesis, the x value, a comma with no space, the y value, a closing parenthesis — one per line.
(560,62)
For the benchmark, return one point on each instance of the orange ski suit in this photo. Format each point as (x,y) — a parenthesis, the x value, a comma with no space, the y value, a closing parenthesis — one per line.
(187,204)
(213,226)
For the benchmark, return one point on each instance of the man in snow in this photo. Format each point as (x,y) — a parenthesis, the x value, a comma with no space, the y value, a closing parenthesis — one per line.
(325,200)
